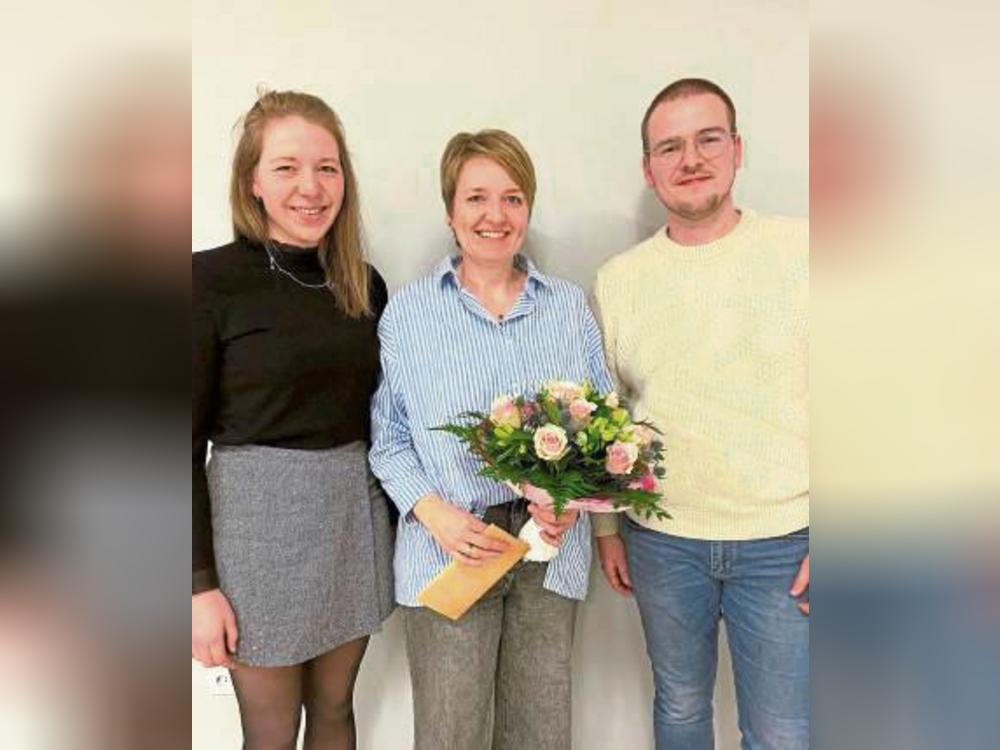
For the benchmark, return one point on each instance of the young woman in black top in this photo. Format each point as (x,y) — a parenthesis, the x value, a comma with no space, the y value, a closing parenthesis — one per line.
(291,540)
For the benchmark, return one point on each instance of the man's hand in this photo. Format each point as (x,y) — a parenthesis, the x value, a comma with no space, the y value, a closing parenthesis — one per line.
(459,532)
(213,629)
(611,549)
(553,527)
(800,586)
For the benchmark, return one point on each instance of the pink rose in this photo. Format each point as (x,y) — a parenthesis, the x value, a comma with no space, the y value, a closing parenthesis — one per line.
(564,390)
(620,457)
(504,411)
(646,482)
(580,409)
(550,442)
(643,434)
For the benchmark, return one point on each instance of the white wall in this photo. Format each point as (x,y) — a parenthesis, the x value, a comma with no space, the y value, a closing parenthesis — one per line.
(571,80)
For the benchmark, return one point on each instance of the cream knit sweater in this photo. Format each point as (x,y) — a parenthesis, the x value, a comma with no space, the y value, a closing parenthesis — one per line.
(710,342)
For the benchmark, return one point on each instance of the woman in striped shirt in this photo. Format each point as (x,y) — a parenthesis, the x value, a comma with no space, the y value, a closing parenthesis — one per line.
(484,322)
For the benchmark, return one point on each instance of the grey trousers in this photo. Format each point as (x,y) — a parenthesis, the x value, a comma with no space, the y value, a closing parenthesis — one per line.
(510,652)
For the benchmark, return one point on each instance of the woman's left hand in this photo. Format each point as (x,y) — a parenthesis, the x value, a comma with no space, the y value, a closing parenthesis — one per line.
(553,526)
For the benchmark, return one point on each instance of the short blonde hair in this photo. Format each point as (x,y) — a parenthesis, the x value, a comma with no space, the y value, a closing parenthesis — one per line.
(340,251)
(498,145)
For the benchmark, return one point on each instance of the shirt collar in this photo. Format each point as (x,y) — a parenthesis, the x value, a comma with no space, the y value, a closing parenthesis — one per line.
(446,269)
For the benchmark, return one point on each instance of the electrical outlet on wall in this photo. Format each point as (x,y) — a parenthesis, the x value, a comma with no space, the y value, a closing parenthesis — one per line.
(220,682)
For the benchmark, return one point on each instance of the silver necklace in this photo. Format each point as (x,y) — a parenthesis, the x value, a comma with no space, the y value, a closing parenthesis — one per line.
(276,266)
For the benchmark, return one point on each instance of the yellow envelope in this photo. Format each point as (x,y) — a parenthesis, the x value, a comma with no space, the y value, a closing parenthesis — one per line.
(459,586)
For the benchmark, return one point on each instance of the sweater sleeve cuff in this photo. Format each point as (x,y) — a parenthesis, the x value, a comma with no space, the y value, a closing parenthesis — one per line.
(605,524)
(204,580)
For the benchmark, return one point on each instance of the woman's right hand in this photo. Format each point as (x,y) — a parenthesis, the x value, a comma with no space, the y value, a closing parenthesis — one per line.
(213,629)
(459,532)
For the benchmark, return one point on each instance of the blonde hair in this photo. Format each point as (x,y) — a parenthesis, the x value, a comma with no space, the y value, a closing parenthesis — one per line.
(341,249)
(498,145)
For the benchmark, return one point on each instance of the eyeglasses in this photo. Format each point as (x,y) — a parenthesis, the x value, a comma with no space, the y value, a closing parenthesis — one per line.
(710,144)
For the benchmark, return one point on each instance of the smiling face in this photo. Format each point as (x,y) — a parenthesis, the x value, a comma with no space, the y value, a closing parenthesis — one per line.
(693,158)
(489,213)
(299,180)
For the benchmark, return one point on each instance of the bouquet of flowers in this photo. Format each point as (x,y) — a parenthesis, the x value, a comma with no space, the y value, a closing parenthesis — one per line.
(570,447)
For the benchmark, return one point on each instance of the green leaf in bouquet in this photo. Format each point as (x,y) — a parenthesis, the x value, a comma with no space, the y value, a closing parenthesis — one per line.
(646,504)
(552,411)
(460,431)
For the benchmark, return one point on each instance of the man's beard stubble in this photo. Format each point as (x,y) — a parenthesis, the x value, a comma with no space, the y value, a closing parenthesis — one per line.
(697,212)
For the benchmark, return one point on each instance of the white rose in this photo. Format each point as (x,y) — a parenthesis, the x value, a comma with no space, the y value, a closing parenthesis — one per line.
(550,442)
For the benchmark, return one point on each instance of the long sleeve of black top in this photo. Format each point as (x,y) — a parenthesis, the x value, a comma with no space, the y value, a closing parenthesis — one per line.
(273,363)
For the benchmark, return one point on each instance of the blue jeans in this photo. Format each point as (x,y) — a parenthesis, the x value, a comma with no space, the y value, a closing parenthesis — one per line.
(683,588)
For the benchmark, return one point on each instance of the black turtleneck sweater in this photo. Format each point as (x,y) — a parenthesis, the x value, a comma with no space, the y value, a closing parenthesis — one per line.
(274,363)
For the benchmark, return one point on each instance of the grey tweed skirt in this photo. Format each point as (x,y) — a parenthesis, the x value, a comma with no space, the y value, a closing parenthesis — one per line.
(303,548)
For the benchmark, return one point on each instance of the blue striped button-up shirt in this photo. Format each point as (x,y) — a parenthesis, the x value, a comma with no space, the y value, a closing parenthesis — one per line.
(444,354)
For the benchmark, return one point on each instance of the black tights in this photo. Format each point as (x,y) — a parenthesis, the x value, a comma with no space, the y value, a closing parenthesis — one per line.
(271,700)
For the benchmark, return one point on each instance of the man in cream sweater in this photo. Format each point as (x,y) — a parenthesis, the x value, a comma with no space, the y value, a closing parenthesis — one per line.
(705,325)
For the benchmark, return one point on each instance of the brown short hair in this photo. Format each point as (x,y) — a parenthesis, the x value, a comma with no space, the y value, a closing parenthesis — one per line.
(498,145)
(340,251)
(683,88)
